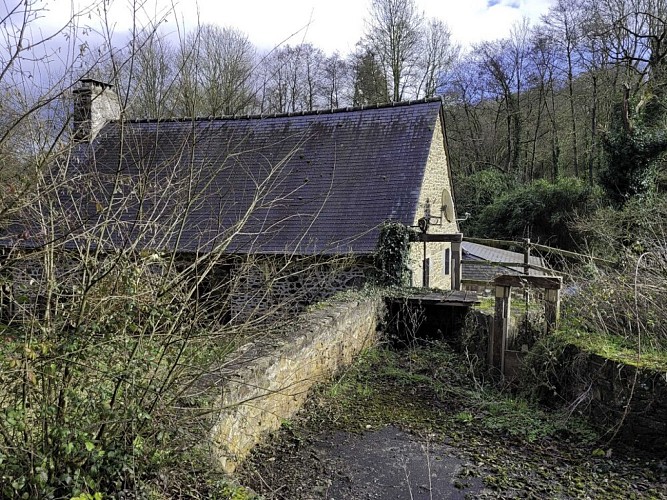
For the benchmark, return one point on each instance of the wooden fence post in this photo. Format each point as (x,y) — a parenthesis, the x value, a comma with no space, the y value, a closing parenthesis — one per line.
(551,309)
(456,265)
(526,256)
(501,322)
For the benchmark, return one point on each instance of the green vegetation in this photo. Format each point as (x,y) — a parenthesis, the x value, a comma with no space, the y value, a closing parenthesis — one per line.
(542,211)
(635,148)
(381,387)
(618,308)
(110,394)
(515,447)
(106,360)
(625,303)
(477,190)
(553,140)
(616,348)
(392,254)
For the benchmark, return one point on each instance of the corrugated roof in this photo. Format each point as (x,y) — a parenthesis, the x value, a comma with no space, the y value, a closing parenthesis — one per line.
(305,183)
(480,272)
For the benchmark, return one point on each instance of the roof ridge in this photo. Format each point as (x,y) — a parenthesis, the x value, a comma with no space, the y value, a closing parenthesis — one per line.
(259,116)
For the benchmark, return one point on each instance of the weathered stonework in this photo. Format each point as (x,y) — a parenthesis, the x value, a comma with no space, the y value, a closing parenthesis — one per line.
(95,105)
(268,387)
(436,181)
(629,400)
(281,285)
(619,399)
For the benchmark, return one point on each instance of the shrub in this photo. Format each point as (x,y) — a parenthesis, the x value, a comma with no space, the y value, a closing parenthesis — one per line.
(96,396)
(478,190)
(541,211)
(625,302)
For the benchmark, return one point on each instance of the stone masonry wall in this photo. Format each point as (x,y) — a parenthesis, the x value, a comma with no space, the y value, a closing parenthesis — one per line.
(436,180)
(616,395)
(612,395)
(272,386)
(95,104)
(271,285)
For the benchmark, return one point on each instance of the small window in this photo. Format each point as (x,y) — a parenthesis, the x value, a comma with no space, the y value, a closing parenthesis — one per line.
(446,261)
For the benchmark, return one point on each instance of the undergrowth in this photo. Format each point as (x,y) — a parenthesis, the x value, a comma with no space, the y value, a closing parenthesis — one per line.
(515,447)
(616,348)
(387,386)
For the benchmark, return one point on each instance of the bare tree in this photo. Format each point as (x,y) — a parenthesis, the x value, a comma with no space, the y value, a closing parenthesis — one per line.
(500,62)
(222,60)
(438,55)
(36,75)
(282,81)
(115,331)
(633,31)
(475,135)
(153,93)
(299,78)
(563,22)
(544,57)
(337,81)
(394,34)
(602,73)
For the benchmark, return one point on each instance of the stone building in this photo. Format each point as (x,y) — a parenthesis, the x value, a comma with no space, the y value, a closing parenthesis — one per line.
(265,191)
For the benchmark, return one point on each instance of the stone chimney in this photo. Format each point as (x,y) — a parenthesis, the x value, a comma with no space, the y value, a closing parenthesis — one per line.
(95,103)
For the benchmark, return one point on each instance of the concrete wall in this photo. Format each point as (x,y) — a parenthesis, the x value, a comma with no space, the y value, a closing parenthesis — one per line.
(268,386)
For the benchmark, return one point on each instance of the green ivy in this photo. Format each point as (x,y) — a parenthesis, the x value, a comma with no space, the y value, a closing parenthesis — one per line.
(635,149)
(393,254)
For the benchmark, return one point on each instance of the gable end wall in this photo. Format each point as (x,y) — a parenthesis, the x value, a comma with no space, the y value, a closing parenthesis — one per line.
(436,179)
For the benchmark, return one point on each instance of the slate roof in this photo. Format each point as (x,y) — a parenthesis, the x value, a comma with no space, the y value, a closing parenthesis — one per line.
(310,183)
(486,273)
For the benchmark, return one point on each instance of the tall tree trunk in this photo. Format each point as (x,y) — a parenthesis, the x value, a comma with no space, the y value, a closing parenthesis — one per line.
(538,122)
(594,125)
(573,117)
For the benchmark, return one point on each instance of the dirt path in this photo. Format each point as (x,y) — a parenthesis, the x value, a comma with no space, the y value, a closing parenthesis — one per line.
(384,464)
(409,425)
(389,464)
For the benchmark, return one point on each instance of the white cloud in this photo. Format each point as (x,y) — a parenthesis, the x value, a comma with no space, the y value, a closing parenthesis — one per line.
(477,20)
(328,24)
